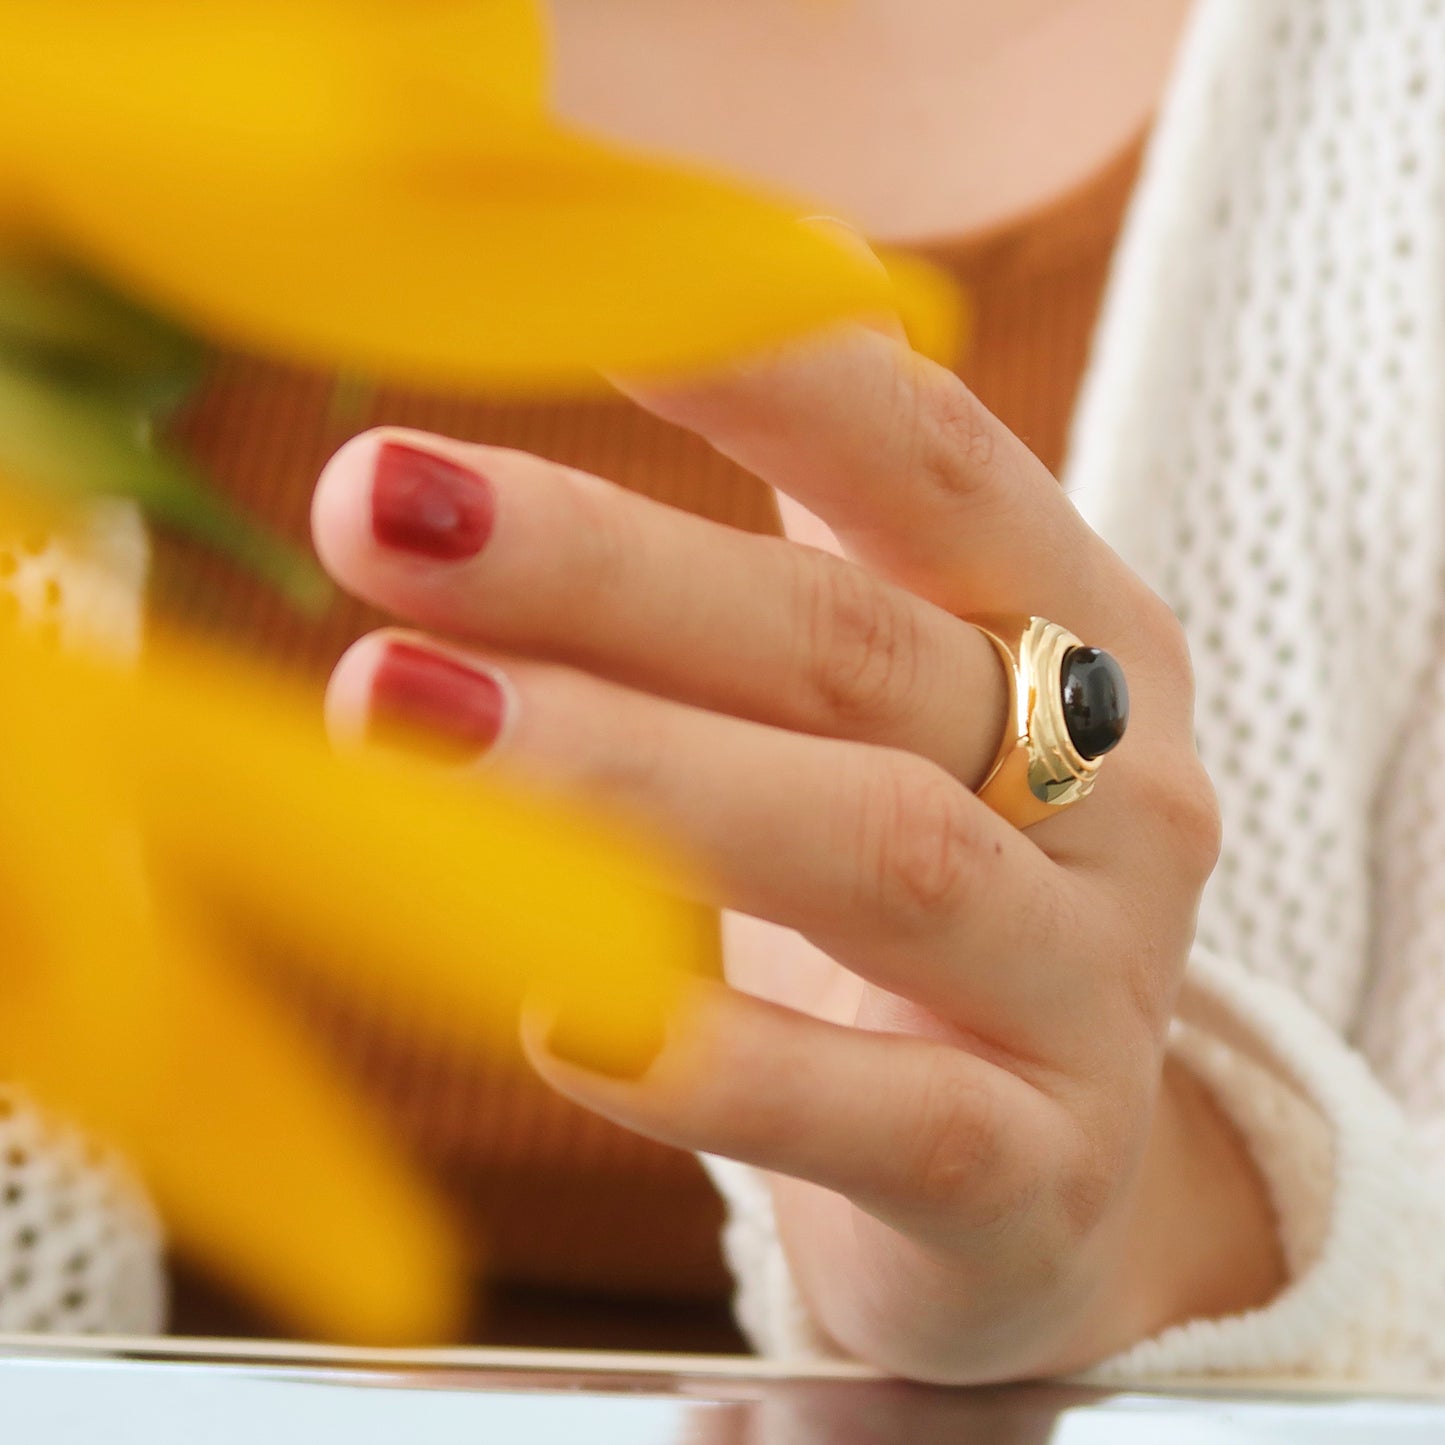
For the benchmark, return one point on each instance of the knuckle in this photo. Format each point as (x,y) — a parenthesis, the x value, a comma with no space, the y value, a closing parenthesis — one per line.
(618,756)
(962,426)
(957,1141)
(1158,649)
(1169,646)
(860,647)
(922,845)
(1175,793)
(1189,808)
(956,436)
(1178,832)
(1175,812)
(1176,843)
(633,770)
(1089,1185)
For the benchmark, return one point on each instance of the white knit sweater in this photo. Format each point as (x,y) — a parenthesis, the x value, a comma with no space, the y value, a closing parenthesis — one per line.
(1262,435)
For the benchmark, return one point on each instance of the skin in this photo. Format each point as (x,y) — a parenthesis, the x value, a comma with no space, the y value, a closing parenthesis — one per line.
(944,1038)
(911,118)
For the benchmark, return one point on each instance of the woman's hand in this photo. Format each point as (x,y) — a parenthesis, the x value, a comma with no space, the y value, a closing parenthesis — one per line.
(946,1037)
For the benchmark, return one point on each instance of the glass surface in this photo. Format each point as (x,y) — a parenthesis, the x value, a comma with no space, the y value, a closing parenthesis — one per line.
(56,1399)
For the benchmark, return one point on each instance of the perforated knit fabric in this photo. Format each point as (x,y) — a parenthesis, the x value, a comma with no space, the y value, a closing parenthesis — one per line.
(1262,435)
(80,1249)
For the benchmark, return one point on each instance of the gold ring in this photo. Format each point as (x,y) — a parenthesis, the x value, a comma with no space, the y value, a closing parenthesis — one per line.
(1068,705)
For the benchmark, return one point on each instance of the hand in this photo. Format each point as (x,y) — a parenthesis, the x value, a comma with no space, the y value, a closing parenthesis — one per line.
(945,1038)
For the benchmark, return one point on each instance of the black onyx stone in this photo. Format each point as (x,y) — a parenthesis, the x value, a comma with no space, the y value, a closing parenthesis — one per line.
(1096,700)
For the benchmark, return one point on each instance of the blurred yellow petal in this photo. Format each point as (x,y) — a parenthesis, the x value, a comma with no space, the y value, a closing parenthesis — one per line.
(79,938)
(137,806)
(533,264)
(382,874)
(271,1171)
(937,315)
(254,90)
(397,883)
(322,211)
(265,1167)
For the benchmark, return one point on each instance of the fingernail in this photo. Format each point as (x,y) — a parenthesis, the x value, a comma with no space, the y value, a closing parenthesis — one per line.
(574,1042)
(425,701)
(889,323)
(843,230)
(429,504)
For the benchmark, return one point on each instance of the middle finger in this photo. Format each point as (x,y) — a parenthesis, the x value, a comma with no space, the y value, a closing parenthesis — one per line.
(877,856)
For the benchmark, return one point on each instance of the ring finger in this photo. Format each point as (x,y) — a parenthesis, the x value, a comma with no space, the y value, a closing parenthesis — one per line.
(876,855)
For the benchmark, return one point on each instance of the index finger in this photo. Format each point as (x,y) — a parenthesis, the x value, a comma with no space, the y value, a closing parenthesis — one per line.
(914,475)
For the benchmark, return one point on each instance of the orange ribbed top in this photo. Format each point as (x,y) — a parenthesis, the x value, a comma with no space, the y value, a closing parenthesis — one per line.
(558,1196)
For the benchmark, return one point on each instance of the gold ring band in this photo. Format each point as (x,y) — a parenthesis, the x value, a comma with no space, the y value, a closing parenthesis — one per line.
(1040,769)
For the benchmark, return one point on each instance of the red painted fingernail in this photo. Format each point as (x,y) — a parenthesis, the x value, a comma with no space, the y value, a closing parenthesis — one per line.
(425,701)
(424,503)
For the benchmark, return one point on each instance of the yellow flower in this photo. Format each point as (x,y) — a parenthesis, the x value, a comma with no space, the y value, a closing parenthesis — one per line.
(378,186)
(373,186)
(148,822)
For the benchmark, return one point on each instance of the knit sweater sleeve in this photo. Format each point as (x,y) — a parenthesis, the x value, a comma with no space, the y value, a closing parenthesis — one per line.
(1358,1216)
